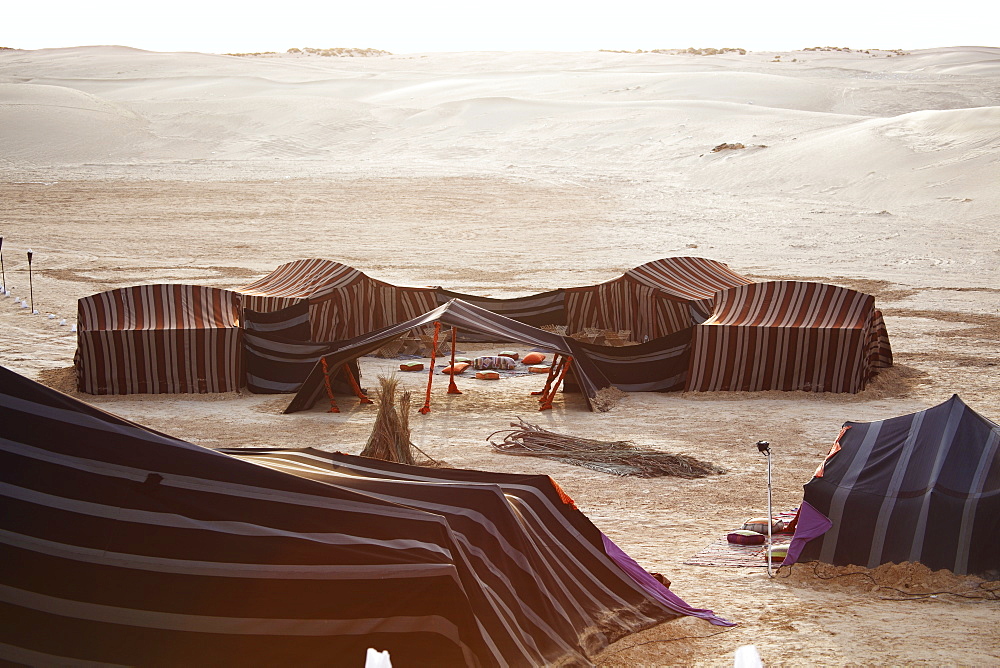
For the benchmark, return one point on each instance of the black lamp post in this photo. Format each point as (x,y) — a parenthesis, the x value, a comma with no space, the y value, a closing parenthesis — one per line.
(31,285)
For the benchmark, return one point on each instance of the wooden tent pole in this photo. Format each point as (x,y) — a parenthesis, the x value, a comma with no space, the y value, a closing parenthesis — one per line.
(452,387)
(426,408)
(329,389)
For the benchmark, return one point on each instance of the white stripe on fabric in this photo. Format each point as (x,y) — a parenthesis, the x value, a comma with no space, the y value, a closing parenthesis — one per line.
(170,621)
(971,503)
(231,527)
(270,571)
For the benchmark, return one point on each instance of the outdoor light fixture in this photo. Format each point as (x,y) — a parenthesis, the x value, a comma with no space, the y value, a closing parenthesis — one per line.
(764,448)
(31,286)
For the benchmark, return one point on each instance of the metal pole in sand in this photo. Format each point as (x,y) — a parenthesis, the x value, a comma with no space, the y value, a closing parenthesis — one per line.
(3,274)
(765,449)
(31,285)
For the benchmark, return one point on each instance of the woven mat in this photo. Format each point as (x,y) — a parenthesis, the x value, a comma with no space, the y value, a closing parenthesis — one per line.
(724,553)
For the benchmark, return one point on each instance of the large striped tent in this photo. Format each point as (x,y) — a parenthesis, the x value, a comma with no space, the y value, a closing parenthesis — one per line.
(278,354)
(158,339)
(343,301)
(544,308)
(124,546)
(652,300)
(588,376)
(789,335)
(923,487)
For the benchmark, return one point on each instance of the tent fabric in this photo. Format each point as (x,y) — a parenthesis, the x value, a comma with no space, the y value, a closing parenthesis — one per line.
(560,533)
(788,335)
(291,322)
(277,355)
(544,308)
(158,339)
(466,317)
(923,487)
(343,301)
(652,300)
(659,365)
(122,545)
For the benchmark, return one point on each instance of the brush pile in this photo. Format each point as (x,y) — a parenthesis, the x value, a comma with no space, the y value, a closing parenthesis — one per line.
(390,437)
(621,458)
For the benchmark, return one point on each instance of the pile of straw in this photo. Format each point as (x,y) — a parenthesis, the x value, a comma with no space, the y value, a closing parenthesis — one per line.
(618,457)
(390,437)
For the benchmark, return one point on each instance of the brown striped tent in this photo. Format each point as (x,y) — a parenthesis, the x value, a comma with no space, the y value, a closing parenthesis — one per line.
(158,339)
(125,546)
(343,301)
(652,300)
(789,335)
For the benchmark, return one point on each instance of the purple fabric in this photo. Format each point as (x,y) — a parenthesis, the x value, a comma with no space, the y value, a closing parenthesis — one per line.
(811,524)
(654,588)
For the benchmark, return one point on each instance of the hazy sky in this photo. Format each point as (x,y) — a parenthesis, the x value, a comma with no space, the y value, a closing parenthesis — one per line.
(409,26)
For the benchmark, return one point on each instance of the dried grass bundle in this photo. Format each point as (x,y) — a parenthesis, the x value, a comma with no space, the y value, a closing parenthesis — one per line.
(390,437)
(619,457)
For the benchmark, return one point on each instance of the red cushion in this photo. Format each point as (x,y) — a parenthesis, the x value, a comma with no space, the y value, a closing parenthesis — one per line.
(458,368)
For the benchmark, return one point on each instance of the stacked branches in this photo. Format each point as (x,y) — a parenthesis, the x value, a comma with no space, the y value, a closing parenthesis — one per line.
(622,458)
(390,437)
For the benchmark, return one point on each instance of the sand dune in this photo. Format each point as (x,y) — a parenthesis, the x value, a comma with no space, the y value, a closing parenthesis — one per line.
(510,173)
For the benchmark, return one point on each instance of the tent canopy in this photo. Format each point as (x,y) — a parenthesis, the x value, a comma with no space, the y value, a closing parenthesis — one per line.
(652,300)
(789,335)
(921,487)
(467,317)
(122,545)
(161,338)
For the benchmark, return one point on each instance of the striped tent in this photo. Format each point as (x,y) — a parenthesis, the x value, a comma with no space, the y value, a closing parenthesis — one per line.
(789,335)
(278,355)
(587,375)
(544,308)
(652,300)
(121,545)
(343,301)
(158,339)
(923,487)
(659,365)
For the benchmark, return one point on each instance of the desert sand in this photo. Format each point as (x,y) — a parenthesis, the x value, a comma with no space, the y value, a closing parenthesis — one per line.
(504,174)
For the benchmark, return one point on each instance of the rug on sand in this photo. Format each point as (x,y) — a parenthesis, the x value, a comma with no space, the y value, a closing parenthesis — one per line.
(724,553)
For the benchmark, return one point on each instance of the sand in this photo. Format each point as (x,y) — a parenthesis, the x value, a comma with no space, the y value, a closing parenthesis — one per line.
(504,174)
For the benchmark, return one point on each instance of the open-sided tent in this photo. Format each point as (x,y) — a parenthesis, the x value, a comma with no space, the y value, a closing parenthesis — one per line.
(652,300)
(466,317)
(789,335)
(923,487)
(122,545)
(158,339)
(343,301)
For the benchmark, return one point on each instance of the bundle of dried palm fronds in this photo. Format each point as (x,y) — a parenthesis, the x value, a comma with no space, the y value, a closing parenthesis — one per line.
(390,437)
(618,457)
